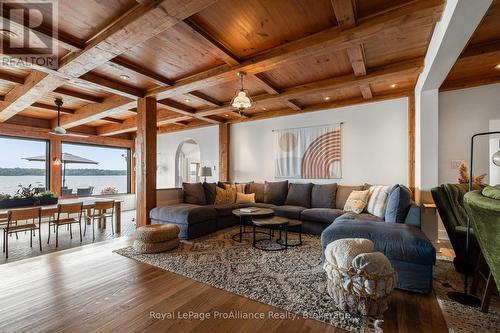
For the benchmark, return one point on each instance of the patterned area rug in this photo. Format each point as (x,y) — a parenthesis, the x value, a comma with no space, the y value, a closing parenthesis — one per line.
(292,280)
(460,318)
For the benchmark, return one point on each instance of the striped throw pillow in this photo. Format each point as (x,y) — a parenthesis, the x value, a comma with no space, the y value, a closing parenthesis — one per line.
(377,201)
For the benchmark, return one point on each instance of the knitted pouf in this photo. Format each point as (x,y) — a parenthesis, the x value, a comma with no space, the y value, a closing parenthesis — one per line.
(143,247)
(155,233)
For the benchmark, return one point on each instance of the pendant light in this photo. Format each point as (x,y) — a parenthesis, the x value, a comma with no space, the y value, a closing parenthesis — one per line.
(242,100)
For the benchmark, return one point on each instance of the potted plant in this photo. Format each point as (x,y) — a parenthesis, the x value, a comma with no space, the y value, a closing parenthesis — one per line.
(27,196)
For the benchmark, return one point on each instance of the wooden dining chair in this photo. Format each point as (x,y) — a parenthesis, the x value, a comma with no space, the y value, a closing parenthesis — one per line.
(67,214)
(28,219)
(101,211)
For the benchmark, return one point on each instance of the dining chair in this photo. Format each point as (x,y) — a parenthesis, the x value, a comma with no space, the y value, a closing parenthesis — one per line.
(67,214)
(101,211)
(27,219)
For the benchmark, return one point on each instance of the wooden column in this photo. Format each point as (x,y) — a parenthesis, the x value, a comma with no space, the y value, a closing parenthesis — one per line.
(55,170)
(224,139)
(145,152)
(411,143)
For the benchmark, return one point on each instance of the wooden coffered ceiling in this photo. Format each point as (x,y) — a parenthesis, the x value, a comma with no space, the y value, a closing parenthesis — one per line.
(300,56)
(479,61)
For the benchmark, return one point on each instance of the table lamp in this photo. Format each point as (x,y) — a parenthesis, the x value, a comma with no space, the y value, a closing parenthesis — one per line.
(205,172)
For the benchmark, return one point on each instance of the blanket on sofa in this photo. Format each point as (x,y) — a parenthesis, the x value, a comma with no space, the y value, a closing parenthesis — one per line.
(455,194)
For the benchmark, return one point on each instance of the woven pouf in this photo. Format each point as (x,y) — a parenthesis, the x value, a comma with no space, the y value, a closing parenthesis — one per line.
(156,238)
(359,281)
(143,247)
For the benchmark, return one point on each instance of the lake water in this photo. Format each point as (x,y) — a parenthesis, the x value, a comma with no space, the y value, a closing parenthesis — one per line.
(9,184)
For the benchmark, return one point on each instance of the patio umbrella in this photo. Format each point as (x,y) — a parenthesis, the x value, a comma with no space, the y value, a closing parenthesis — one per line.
(66,158)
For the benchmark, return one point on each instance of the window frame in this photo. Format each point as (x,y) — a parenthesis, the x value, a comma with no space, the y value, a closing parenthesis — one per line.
(47,154)
(129,162)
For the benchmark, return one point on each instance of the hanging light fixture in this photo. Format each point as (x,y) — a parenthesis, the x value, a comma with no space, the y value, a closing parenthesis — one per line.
(242,100)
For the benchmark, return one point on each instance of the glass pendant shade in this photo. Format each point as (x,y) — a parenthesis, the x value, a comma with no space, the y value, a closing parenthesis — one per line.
(241,101)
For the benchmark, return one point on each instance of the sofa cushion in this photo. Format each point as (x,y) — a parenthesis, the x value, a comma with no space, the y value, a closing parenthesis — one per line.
(183,213)
(210,191)
(377,201)
(225,209)
(323,196)
(323,215)
(343,193)
(258,189)
(398,203)
(357,201)
(291,212)
(245,198)
(225,196)
(275,192)
(194,193)
(397,241)
(360,217)
(299,195)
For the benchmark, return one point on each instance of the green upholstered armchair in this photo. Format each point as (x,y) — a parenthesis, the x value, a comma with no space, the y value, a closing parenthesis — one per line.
(449,203)
(485,218)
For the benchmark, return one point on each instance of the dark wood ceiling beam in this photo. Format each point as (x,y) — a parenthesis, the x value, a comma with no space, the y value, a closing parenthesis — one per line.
(293,105)
(324,106)
(137,25)
(415,13)
(184,110)
(52,108)
(381,74)
(78,95)
(218,49)
(263,82)
(345,11)
(481,49)
(202,98)
(5,76)
(124,65)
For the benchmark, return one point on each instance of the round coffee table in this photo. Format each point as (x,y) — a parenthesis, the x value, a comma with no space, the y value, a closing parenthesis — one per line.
(292,226)
(275,222)
(243,216)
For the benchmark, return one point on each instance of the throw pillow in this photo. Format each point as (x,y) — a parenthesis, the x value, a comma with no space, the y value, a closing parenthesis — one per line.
(323,196)
(225,196)
(275,192)
(194,193)
(343,193)
(210,192)
(241,187)
(299,195)
(357,201)
(245,198)
(398,203)
(378,199)
(228,185)
(258,189)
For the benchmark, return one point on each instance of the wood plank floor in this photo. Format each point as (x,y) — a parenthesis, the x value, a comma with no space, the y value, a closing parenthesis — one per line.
(91,289)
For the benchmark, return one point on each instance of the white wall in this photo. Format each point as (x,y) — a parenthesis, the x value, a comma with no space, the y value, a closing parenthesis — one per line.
(208,140)
(463,113)
(374,143)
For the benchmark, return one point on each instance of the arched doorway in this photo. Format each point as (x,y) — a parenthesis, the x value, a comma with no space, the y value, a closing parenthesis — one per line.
(187,162)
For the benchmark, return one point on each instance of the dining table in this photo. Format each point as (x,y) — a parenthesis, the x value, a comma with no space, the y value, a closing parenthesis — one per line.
(88,205)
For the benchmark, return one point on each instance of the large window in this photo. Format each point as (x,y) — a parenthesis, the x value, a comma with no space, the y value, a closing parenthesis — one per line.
(94,170)
(23,162)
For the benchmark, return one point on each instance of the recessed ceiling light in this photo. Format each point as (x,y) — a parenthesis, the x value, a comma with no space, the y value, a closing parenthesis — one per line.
(327,98)
(226,115)
(187,100)
(264,109)
(497,66)
(394,85)
(8,33)
(124,77)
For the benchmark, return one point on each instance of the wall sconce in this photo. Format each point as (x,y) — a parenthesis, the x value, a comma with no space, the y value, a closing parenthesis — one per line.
(57,161)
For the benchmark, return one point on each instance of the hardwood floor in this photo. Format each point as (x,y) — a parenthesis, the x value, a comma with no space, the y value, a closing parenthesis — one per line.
(91,289)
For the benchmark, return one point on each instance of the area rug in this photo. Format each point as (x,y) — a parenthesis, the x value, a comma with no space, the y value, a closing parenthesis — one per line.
(460,318)
(292,280)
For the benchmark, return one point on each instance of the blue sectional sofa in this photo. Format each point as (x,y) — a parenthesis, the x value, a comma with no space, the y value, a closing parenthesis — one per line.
(319,207)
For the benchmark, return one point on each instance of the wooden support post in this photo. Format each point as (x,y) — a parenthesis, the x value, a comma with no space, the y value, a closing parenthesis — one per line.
(411,143)
(224,135)
(145,159)
(55,169)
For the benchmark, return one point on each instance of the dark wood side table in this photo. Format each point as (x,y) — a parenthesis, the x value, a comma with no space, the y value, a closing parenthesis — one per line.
(272,223)
(243,216)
